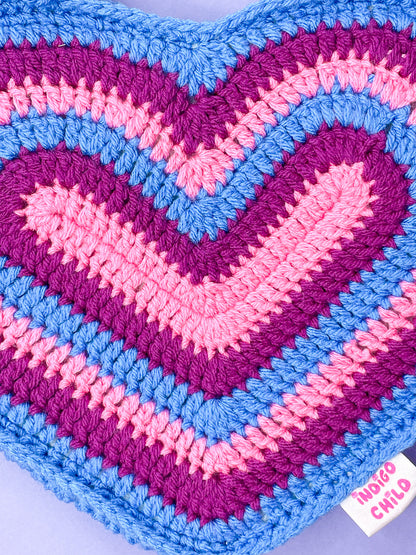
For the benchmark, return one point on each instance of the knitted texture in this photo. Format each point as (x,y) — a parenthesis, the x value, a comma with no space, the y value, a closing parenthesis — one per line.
(207,261)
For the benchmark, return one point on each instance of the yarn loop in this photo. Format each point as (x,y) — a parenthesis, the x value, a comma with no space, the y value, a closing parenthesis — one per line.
(207,262)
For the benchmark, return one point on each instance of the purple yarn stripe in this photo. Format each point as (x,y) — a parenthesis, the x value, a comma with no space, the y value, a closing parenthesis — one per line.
(223,495)
(220,375)
(211,110)
(211,258)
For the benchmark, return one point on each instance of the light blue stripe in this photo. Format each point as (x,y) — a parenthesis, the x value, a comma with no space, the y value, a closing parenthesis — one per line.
(389,432)
(205,214)
(56,456)
(217,418)
(199,52)
(392,430)
(25,439)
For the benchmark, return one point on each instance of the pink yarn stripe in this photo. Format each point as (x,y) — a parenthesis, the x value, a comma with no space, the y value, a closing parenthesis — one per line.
(211,315)
(207,166)
(222,457)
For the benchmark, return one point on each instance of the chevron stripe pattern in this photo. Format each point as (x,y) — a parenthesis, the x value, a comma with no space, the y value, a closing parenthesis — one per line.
(207,262)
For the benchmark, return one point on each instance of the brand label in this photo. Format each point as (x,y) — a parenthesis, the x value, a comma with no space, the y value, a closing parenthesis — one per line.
(387,493)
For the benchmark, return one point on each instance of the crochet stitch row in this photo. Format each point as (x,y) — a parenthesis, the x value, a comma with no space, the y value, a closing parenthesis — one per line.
(207,278)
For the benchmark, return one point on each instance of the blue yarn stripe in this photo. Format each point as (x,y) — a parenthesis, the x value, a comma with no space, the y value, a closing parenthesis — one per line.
(193,60)
(232,414)
(205,214)
(191,47)
(371,446)
(228,413)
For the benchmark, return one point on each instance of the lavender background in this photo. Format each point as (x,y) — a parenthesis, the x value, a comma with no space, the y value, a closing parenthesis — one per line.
(34,522)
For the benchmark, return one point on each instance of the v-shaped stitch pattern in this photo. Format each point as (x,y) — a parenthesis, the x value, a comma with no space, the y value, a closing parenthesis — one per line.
(207,261)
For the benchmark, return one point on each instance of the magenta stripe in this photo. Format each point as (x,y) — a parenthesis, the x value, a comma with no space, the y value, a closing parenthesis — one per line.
(222,373)
(222,495)
(211,111)
(211,258)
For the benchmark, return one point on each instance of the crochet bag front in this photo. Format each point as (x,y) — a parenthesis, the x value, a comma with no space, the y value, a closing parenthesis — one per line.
(207,261)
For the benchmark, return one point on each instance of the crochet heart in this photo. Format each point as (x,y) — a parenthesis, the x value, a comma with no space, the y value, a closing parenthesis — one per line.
(208,262)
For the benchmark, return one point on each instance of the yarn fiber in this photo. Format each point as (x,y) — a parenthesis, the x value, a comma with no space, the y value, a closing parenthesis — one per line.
(207,261)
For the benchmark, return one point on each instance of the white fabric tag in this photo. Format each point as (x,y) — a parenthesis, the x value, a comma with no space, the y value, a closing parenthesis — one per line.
(386,494)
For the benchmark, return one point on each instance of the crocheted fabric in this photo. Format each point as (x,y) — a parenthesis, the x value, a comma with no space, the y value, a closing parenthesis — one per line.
(208,261)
